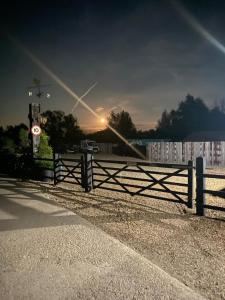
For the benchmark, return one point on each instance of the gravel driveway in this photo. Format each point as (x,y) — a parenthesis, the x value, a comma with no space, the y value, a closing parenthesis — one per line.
(188,247)
(49,252)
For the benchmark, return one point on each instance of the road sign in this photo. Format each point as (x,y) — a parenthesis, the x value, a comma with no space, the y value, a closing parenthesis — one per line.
(36,130)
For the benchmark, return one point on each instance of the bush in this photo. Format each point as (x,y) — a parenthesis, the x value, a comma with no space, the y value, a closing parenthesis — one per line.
(9,146)
(44,151)
(24,143)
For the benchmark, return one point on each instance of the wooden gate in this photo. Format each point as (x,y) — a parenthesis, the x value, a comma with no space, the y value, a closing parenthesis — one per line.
(153,180)
(68,170)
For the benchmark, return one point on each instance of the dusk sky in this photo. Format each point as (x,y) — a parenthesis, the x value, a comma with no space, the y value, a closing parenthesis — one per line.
(145,55)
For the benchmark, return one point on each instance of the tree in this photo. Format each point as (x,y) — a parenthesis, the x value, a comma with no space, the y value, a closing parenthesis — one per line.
(15,139)
(146,134)
(192,115)
(164,124)
(24,143)
(72,132)
(217,117)
(1,137)
(63,130)
(14,131)
(122,123)
(53,127)
(8,145)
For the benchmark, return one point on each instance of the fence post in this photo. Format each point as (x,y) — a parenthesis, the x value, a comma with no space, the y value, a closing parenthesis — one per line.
(82,170)
(190,184)
(57,168)
(87,171)
(200,186)
(54,167)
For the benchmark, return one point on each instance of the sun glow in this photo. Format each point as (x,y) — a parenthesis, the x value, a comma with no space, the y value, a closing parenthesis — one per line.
(61,83)
(102,120)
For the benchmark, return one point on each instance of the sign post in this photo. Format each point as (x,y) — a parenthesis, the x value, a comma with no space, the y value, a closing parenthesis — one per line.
(35,129)
(35,112)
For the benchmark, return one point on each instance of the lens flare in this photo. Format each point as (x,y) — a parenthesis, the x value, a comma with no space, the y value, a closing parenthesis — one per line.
(50,73)
(197,26)
(85,94)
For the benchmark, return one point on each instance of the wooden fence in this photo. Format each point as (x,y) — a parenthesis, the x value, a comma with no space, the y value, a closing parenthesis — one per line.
(182,152)
(105,147)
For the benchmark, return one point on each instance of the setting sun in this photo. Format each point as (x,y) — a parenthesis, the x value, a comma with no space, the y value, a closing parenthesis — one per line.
(102,120)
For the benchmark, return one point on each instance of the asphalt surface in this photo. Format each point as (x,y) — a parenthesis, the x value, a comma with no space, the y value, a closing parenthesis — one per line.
(48,252)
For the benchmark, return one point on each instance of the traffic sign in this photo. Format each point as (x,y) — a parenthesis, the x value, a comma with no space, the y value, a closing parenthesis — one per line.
(36,130)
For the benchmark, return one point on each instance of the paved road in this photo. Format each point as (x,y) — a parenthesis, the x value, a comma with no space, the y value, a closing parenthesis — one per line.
(48,252)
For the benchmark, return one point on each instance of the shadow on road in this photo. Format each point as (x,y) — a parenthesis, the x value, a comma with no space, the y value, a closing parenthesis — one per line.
(23,208)
(99,209)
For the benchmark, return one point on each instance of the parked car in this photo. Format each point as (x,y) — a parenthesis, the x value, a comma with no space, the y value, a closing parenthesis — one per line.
(73,149)
(88,144)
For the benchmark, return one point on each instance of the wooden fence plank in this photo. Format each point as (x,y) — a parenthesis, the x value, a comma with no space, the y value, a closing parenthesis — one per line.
(182,152)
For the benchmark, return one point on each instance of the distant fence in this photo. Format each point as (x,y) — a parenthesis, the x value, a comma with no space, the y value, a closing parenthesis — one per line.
(106,147)
(182,152)
(119,149)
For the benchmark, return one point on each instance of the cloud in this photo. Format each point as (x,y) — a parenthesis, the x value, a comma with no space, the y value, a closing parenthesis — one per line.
(99,109)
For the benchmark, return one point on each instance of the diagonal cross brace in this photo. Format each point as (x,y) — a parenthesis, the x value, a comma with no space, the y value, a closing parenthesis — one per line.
(160,182)
(70,172)
(111,176)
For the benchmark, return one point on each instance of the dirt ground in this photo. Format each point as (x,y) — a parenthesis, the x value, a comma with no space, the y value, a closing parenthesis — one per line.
(188,247)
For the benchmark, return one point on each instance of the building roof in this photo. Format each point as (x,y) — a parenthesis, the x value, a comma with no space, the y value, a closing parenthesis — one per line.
(206,136)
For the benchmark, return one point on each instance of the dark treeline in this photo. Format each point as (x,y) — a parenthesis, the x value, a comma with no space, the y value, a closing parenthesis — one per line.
(62,132)
(14,143)
(14,139)
(192,115)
